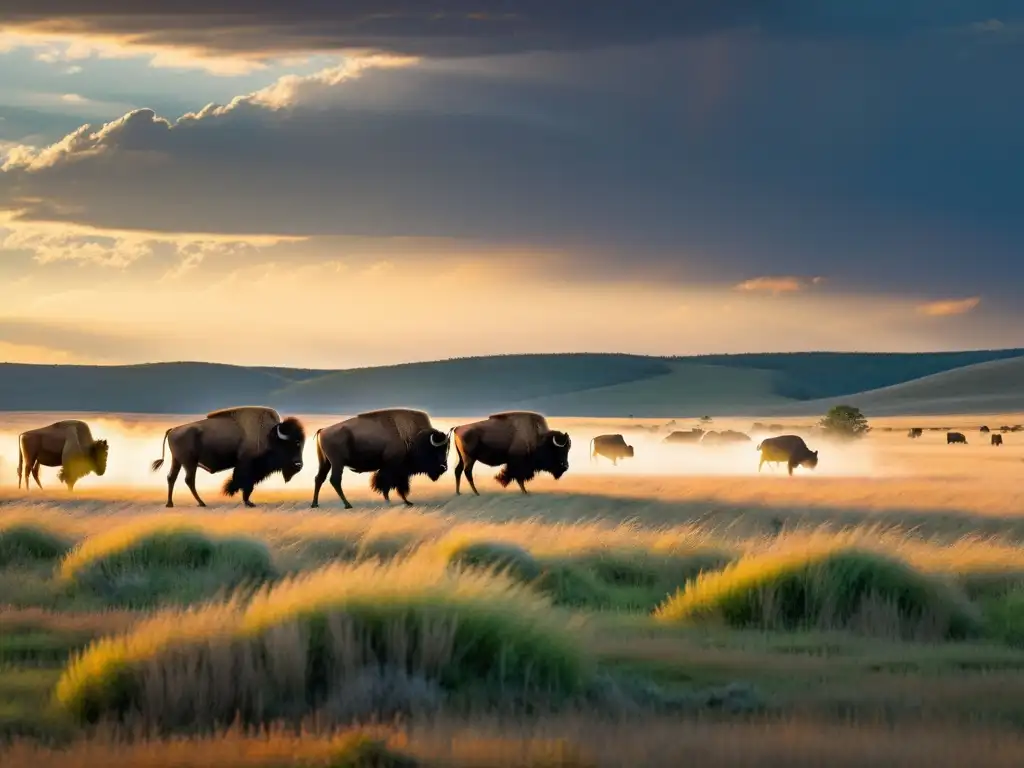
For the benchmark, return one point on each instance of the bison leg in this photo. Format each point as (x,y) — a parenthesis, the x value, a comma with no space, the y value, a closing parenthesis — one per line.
(458,475)
(615,461)
(336,484)
(35,476)
(760,464)
(522,486)
(246,493)
(321,476)
(402,486)
(789,466)
(469,475)
(172,478)
(190,481)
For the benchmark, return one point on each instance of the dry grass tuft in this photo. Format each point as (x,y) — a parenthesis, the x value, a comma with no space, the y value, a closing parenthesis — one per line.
(142,564)
(828,588)
(304,642)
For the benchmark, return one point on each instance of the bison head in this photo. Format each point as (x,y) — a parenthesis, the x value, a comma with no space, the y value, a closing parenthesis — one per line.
(629,451)
(553,453)
(284,446)
(429,453)
(811,460)
(98,456)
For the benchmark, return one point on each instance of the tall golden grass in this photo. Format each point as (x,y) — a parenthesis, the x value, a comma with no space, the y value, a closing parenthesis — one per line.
(567,742)
(413,615)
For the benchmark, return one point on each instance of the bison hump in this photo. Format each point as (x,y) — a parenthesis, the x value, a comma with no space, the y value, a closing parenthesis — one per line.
(255,422)
(407,422)
(524,420)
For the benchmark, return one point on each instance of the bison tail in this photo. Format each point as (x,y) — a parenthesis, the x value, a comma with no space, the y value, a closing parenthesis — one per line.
(163,450)
(593,456)
(759,446)
(320,457)
(21,462)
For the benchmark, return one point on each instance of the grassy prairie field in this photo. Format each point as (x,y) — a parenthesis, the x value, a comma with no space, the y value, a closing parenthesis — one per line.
(679,608)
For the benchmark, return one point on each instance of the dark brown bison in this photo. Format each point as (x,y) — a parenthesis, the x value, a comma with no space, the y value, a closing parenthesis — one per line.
(997,439)
(984,429)
(725,437)
(394,444)
(915,432)
(251,440)
(788,448)
(65,444)
(612,447)
(678,436)
(955,437)
(519,440)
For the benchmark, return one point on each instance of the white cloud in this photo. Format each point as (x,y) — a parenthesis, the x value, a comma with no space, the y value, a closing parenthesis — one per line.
(53,243)
(778,284)
(949,307)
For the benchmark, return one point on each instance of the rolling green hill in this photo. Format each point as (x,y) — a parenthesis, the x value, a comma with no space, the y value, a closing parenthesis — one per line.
(560,384)
(996,386)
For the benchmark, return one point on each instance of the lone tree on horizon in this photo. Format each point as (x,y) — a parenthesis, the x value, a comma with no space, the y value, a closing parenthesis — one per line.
(845,421)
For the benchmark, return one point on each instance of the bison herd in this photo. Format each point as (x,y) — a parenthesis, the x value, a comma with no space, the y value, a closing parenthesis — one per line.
(255,442)
(959,438)
(393,444)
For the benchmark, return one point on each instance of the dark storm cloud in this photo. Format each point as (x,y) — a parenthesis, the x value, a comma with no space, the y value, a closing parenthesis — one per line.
(898,164)
(443,28)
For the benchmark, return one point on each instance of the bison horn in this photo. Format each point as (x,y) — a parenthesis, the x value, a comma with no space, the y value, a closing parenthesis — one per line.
(433,442)
(554,439)
(281,435)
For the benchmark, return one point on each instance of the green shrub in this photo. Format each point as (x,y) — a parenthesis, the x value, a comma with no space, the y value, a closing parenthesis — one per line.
(139,565)
(827,589)
(24,543)
(622,579)
(1004,617)
(500,555)
(310,639)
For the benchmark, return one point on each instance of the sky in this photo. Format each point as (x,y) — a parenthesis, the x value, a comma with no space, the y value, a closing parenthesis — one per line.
(324,184)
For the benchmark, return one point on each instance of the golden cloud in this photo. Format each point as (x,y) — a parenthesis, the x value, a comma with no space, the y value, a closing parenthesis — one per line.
(948,307)
(778,284)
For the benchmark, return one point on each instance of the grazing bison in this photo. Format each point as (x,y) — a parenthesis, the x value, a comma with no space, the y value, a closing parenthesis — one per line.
(519,440)
(788,448)
(251,440)
(684,437)
(725,437)
(997,439)
(915,432)
(984,429)
(612,447)
(65,444)
(955,437)
(394,444)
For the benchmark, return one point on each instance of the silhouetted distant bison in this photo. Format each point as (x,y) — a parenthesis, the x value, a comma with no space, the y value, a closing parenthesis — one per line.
(984,429)
(684,437)
(955,437)
(612,447)
(997,439)
(725,437)
(915,432)
(788,448)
